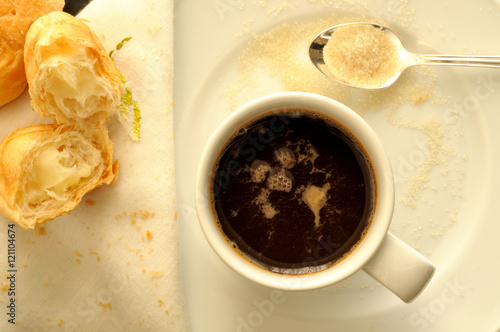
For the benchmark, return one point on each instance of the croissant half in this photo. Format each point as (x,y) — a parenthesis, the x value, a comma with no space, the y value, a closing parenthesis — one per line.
(46,169)
(16,16)
(70,75)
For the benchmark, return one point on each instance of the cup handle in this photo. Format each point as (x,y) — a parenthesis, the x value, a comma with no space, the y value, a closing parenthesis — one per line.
(401,269)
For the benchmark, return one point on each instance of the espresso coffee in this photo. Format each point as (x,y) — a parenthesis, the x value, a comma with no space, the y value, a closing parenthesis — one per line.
(293,191)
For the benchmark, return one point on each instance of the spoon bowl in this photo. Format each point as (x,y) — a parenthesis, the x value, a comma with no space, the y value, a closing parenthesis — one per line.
(405,59)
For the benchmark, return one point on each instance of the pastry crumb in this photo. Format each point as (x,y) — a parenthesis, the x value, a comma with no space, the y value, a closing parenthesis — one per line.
(105,305)
(40,231)
(155,273)
(146,214)
(92,252)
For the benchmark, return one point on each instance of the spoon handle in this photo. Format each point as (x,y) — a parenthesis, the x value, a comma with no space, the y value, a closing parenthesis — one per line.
(460,60)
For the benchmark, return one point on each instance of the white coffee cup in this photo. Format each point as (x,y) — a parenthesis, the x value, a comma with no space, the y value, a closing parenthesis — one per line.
(387,259)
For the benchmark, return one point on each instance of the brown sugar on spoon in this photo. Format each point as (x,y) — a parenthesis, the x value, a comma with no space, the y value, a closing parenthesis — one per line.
(361,55)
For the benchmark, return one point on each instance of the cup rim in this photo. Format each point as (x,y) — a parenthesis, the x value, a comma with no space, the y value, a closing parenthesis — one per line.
(384,191)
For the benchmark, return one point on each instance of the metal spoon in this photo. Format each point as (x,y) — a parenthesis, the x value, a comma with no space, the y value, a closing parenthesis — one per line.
(406,58)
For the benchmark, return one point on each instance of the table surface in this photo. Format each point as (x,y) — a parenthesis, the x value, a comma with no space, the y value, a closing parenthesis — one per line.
(453,310)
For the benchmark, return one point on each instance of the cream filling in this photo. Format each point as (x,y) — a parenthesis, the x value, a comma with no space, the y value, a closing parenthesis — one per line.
(68,82)
(51,176)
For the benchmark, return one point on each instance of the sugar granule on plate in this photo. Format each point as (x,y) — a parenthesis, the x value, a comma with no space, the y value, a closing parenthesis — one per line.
(436,155)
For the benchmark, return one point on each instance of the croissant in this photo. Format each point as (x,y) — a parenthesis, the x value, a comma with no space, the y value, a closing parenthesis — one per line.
(16,16)
(46,169)
(70,76)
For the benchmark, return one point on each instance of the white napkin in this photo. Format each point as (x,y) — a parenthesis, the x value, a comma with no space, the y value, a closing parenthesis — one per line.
(112,264)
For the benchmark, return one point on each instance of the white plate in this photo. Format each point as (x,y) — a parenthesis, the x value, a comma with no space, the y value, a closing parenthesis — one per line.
(454,222)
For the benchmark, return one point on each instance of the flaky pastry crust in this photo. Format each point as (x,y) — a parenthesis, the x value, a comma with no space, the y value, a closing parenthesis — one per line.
(16,16)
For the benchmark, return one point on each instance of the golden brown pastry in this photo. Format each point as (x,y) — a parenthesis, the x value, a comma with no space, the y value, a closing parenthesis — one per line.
(70,75)
(16,16)
(46,169)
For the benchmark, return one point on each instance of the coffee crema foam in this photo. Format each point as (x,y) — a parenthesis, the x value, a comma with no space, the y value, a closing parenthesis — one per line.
(293,191)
